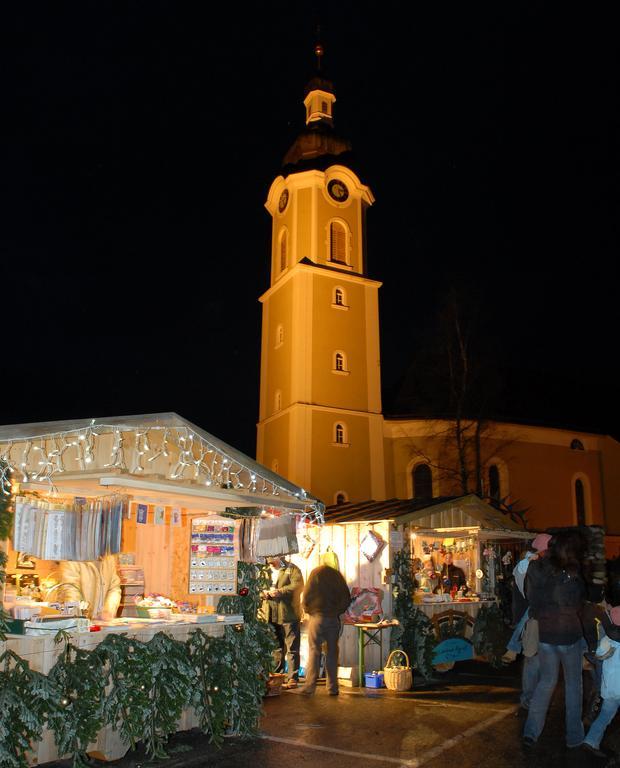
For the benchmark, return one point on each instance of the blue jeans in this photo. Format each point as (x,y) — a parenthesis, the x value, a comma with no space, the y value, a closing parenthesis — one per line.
(530,675)
(606,715)
(550,657)
(514,644)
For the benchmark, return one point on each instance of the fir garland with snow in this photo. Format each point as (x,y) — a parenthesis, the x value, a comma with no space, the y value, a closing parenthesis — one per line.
(415,633)
(490,635)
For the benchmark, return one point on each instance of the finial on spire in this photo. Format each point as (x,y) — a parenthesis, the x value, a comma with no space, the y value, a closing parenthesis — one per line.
(318,48)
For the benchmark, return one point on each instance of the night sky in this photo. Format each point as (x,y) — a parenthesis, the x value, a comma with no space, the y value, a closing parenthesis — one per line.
(139,141)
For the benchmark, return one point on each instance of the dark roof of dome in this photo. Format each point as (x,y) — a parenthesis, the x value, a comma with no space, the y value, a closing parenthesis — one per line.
(319,83)
(317,140)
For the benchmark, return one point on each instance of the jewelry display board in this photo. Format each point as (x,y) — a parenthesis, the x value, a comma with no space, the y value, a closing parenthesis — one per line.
(214,551)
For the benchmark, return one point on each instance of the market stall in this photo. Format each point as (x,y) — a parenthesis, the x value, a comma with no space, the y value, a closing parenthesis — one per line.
(406,541)
(142,527)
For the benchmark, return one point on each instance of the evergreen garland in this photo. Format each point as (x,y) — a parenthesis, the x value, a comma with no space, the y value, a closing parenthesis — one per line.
(489,634)
(127,705)
(211,690)
(415,634)
(25,698)
(252,649)
(78,715)
(171,679)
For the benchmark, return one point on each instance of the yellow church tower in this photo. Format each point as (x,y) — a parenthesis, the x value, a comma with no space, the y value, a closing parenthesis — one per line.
(320,421)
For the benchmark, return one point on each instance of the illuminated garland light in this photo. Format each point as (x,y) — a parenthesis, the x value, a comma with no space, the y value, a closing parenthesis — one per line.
(186,452)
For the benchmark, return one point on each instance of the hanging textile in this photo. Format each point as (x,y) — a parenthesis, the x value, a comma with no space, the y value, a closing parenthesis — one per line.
(82,529)
(277,536)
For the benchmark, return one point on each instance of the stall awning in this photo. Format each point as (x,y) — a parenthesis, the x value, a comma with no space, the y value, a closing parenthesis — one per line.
(162,450)
(447,512)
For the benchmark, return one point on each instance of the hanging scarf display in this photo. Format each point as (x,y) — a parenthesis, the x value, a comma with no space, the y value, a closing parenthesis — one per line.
(81,529)
(277,536)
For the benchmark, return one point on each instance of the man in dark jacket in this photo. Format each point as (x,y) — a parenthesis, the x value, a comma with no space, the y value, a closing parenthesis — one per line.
(451,575)
(282,609)
(326,596)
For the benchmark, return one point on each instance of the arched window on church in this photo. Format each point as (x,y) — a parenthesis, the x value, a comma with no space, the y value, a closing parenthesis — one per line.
(494,483)
(283,250)
(339,297)
(277,401)
(337,242)
(580,502)
(340,497)
(576,445)
(422,482)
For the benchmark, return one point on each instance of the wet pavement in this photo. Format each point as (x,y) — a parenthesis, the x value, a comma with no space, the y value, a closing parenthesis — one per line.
(467,717)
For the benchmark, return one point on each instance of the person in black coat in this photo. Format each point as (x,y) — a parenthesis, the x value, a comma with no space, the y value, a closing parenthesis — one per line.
(556,592)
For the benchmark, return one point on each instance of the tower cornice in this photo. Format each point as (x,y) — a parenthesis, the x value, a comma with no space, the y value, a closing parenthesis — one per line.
(323,271)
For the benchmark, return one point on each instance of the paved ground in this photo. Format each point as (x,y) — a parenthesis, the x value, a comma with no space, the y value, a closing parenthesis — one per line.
(467,718)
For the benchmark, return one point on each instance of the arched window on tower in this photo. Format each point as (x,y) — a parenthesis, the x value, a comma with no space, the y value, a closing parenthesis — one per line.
(277,401)
(580,502)
(340,434)
(337,242)
(283,250)
(339,297)
(422,482)
(577,445)
(494,483)
(340,362)
(341,497)
(279,335)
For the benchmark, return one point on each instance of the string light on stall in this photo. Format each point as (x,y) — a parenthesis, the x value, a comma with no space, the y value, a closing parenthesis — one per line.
(141,446)
(163,449)
(24,461)
(186,456)
(117,457)
(6,470)
(198,462)
(57,453)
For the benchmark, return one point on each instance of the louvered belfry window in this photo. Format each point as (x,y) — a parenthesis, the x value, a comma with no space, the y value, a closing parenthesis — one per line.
(337,243)
(283,255)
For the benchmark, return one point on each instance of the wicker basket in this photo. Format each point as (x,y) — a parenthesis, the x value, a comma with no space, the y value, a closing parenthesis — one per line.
(397,677)
(274,684)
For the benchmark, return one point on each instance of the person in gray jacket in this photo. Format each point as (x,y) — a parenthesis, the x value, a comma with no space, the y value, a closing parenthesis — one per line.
(326,596)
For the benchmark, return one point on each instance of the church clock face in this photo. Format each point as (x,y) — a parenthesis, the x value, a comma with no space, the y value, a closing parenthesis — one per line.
(283,201)
(338,190)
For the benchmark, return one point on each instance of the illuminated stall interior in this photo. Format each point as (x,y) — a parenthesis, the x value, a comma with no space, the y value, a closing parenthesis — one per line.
(172,480)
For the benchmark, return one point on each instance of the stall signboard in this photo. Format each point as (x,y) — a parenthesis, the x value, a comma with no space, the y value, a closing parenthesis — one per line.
(451,650)
(213,556)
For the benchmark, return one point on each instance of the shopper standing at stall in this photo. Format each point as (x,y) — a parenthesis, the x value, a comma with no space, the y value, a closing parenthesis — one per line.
(326,598)
(556,593)
(282,609)
(530,671)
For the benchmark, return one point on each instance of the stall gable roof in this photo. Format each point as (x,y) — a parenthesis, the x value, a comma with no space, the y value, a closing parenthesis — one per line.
(443,512)
(20,433)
